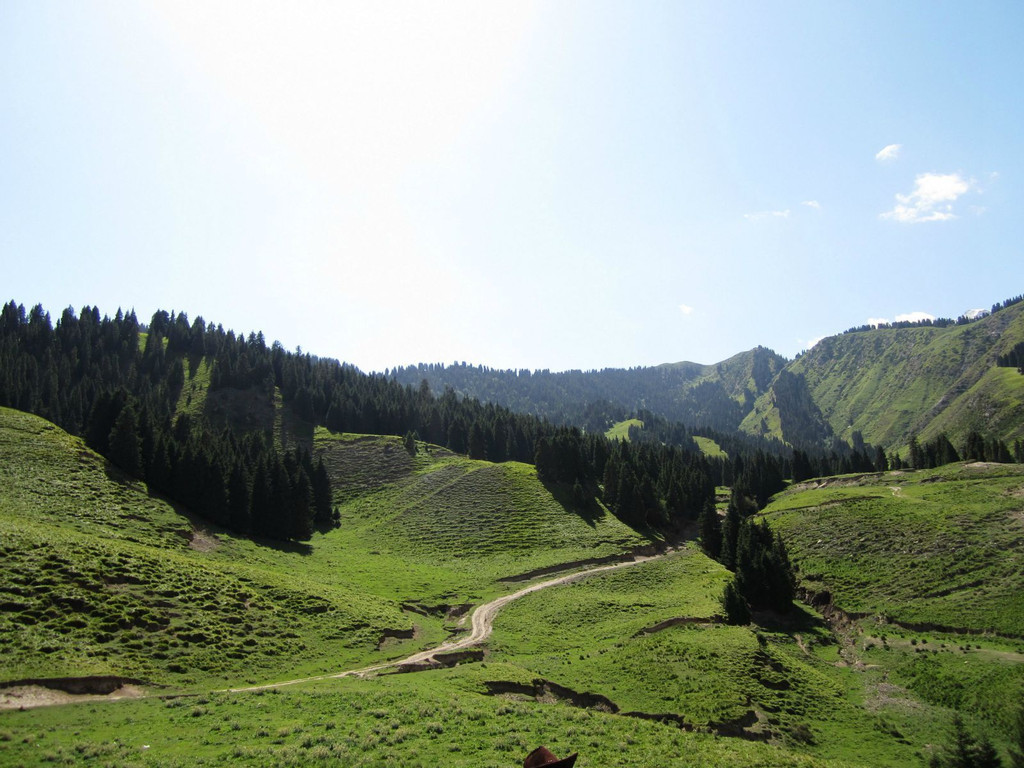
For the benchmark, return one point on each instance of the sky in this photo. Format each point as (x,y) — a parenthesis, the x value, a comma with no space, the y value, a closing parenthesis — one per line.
(551,185)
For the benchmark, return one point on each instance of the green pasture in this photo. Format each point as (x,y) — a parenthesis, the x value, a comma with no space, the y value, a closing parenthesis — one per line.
(710,448)
(943,547)
(620,431)
(416,721)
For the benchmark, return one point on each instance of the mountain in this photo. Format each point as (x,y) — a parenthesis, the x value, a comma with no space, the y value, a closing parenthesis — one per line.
(892,383)
(881,385)
(716,396)
(134,566)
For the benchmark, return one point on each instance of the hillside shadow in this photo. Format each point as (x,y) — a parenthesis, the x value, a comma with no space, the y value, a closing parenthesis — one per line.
(293,547)
(799,620)
(590,512)
(193,364)
(117,475)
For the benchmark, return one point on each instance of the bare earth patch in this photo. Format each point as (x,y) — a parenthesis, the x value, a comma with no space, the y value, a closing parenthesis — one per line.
(203,541)
(31,696)
(887,695)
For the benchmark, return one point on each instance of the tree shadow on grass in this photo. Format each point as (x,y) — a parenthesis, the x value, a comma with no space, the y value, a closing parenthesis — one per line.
(799,619)
(294,547)
(589,512)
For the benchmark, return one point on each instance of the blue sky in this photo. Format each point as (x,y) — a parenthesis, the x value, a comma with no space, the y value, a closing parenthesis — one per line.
(553,185)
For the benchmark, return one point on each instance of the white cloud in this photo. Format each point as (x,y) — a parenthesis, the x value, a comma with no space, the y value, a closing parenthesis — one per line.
(906,317)
(932,198)
(686,309)
(811,343)
(762,215)
(914,317)
(888,153)
(974,314)
(812,204)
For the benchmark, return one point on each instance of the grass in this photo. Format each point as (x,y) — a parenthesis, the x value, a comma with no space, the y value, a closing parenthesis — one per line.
(783,682)
(478,522)
(427,719)
(102,578)
(710,448)
(620,431)
(890,383)
(942,547)
(930,567)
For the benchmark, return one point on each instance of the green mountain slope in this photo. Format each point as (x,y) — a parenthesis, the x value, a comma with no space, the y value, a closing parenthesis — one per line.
(891,383)
(886,383)
(101,577)
(104,579)
(716,396)
(924,572)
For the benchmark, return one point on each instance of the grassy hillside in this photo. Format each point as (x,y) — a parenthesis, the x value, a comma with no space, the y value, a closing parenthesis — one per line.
(632,667)
(881,544)
(100,578)
(927,570)
(890,383)
(422,720)
(649,640)
(103,578)
(710,448)
(620,430)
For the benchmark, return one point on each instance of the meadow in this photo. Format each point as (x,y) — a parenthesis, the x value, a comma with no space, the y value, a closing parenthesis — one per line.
(633,667)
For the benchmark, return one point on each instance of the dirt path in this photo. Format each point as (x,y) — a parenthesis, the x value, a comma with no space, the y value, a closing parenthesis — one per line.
(30,696)
(483,623)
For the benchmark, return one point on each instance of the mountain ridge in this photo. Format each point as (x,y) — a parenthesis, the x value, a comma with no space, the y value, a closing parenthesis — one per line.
(880,384)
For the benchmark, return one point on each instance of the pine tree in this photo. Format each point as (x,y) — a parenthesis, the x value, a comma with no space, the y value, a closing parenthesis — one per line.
(881,464)
(975,448)
(730,533)
(735,607)
(477,447)
(125,445)
(321,496)
(710,526)
(965,751)
(239,500)
(917,457)
(300,507)
(261,512)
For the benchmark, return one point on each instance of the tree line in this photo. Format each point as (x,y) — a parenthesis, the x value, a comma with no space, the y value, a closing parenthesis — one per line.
(95,377)
(1013,359)
(939,451)
(939,322)
(596,399)
(118,384)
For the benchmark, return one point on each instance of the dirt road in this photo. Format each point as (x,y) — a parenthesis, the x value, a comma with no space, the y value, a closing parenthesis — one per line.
(483,622)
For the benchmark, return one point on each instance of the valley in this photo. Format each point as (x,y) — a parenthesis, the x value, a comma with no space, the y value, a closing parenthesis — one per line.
(460,606)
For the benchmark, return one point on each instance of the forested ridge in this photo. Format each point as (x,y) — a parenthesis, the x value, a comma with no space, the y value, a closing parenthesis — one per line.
(888,381)
(118,384)
(703,396)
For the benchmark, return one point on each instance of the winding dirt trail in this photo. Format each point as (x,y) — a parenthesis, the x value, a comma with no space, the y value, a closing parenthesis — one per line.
(483,623)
